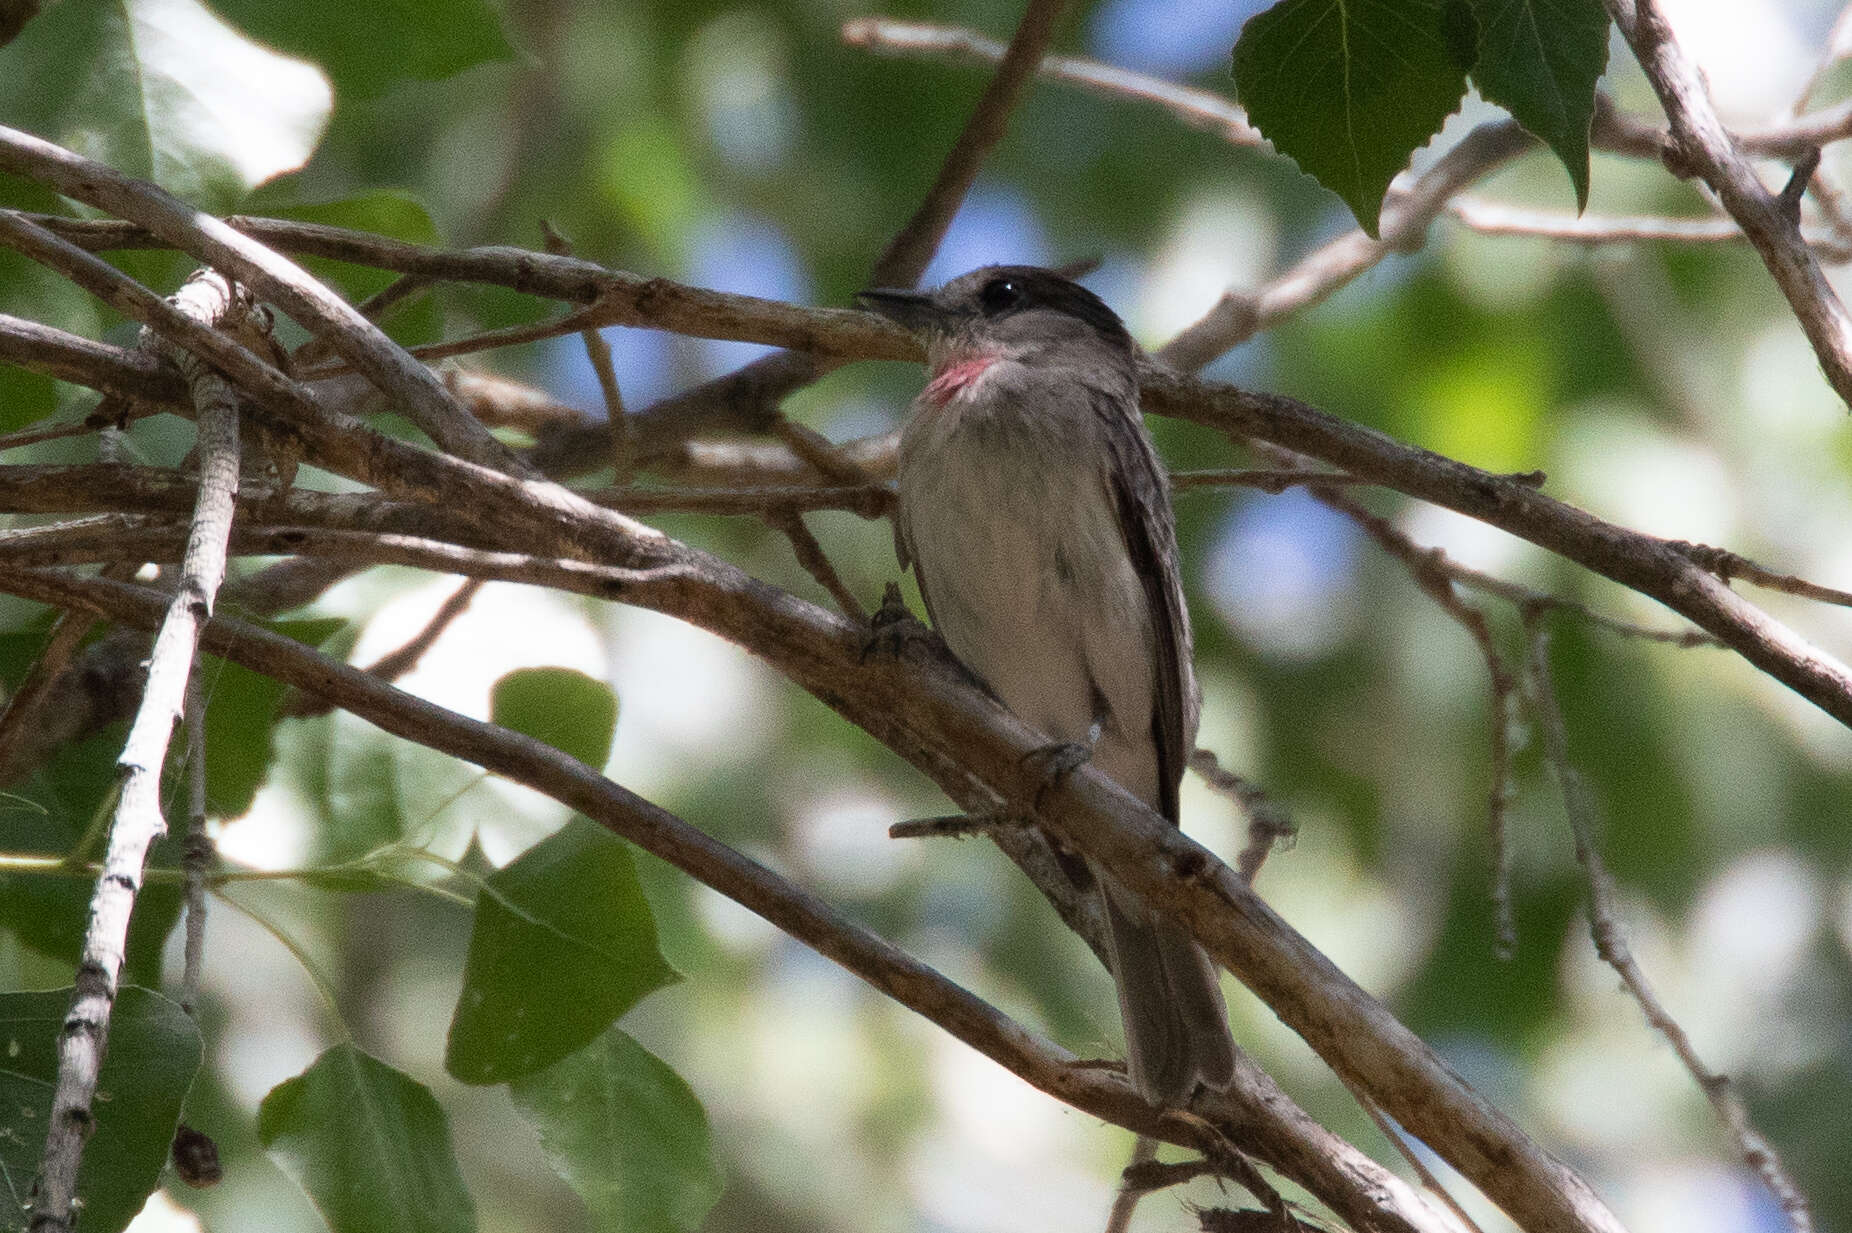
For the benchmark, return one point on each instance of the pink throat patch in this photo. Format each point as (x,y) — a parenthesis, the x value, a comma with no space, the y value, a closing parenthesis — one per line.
(958,376)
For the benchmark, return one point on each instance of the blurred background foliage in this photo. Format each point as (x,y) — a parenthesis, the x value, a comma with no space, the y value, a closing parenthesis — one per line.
(739,144)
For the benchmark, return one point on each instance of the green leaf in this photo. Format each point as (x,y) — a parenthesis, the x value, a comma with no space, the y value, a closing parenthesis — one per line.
(25,397)
(241,716)
(360,804)
(563,944)
(369,1145)
(48,812)
(627,1134)
(164,90)
(28,289)
(154,1050)
(369,51)
(1349,89)
(1540,60)
(570,711)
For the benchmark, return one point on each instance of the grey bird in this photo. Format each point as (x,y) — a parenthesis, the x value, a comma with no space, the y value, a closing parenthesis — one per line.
(1037,519)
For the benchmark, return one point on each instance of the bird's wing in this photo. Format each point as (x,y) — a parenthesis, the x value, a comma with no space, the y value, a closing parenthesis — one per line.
(1141,493)
(903,549)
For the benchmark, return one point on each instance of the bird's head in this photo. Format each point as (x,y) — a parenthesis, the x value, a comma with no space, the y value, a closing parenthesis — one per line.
(1010,312)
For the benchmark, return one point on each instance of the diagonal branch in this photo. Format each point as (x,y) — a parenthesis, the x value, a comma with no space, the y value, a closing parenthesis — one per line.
(1611,942)
(274,277)
(138,822)
(1652,566)
(1406,216)
(1255,1114)
(1705,146)
(1428,569)
(931,714)
(910,252)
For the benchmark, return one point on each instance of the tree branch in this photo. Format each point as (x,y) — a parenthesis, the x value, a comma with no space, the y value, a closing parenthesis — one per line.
(1406,216)
(319,310)
(1611,942)
(910,251)
(138,822)
(1255,1114)
(1705,146)
(1652,566)
(1200,108)
(932,715)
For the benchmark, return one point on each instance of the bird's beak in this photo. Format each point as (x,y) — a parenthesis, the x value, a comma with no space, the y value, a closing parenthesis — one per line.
(911,309)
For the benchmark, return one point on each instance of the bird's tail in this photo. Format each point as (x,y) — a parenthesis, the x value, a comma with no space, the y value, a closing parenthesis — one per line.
(1176,1024)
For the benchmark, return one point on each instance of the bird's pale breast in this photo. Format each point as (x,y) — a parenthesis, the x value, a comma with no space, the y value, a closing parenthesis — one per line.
(1016,537)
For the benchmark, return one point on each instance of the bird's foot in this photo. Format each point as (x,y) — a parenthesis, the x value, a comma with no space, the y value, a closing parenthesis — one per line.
(1053,763)
(892,629)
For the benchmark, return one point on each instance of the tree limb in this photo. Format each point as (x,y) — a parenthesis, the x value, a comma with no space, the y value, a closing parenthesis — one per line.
(1705,146)
(138,821)
(1254,1114)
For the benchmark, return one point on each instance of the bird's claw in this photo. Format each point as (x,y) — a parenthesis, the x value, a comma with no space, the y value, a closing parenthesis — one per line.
(1053,763)
(892,629)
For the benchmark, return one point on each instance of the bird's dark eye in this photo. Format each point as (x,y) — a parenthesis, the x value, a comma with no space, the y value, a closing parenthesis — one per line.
(1000,295)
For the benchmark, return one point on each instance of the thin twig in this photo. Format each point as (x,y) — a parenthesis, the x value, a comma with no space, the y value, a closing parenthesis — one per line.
(818,450)
(1268,824)
(138,821)
(49,432)
(396,663)
(1727,565)
(196,857)
(1430,1183)
(1498,218)
(598,352)
(816,562)
(1838,44)
(373,308)
(587,320)
(1611,942)
(1428,568)
(1258,1117)
(1144,1154)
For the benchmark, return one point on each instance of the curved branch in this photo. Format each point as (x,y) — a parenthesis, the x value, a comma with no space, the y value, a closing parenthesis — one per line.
(137,820)
(1645,563)
(1770,224)
(1256,1115)
(931,715)
(321,311)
